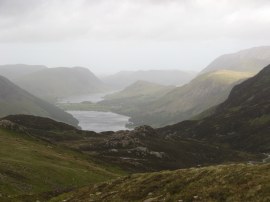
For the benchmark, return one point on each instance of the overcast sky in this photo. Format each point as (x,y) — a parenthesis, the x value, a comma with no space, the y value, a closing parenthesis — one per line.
(113,35)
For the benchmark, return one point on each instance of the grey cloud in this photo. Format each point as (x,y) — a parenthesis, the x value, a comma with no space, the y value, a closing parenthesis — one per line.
(40,20)
(130,34)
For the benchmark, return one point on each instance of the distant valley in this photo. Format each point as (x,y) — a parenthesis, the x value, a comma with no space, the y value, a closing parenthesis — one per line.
(158,105)
(215,128)
(228,135)
(134,101)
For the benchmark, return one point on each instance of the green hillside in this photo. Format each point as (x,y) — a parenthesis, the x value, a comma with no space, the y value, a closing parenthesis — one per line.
(15,100)
(140,89)
(207,90)
(241,122)
(51,161)
(133,97)
(187,101)
(61,82)
(29,165)
(130,99)
(139,150)
(252,60)
(238,183)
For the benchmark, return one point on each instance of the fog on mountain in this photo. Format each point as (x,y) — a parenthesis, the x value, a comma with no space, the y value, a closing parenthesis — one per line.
(120,100)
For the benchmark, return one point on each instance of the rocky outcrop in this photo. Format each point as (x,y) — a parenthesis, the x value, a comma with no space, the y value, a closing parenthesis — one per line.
(9,125)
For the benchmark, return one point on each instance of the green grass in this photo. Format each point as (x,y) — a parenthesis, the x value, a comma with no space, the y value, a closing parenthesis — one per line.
(140,89)
(225,76)
(180,103)
(236,183)
(265,119)
(31,166)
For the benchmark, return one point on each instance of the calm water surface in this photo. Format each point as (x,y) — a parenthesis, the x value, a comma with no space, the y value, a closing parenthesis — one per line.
(100,121)
(77,99)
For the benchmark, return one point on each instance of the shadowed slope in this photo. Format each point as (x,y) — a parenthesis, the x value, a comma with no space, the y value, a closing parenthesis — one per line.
(15,100)
(241,122)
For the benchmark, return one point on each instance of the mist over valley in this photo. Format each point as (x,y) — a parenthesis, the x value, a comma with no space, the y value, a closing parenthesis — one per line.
(128,101)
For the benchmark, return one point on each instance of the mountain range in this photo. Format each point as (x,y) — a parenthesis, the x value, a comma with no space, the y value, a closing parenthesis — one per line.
(187,101)
(64,158)
(15,71)
(190,100)
(61,82)
(242,121)
(123,79)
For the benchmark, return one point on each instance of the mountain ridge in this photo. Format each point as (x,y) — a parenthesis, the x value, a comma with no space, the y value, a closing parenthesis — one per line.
(252,60)
(15,100)
(237,132)
(187,101)
(15,71)
(61,82)
(241,122)
(123,79)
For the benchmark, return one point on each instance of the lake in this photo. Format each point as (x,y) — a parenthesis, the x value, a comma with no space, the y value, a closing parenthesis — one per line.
(100,121)
(81,98)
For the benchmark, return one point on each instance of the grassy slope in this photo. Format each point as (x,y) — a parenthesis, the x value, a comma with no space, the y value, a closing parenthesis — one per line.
(135,153)
(140,89)
(133,97)
(237,183)
(158,106)
(129,99)
(29,165)
(139,150)
(189,100)
(253,60)
(241,122)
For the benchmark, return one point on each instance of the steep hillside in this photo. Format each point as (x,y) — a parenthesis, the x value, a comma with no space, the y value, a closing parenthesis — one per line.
(164,77)
(53,83)
(133,97)
(241,122)
(15,100)
(252,60)
(184,102)
(29,165)
(15,71)
(250,183)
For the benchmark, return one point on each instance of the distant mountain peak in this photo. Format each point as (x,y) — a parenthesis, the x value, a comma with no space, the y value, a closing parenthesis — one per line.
(123,79)
(241,122)
(61,82)
(252,59)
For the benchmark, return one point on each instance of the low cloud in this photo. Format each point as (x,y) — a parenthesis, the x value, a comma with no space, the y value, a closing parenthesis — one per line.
(58,20)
